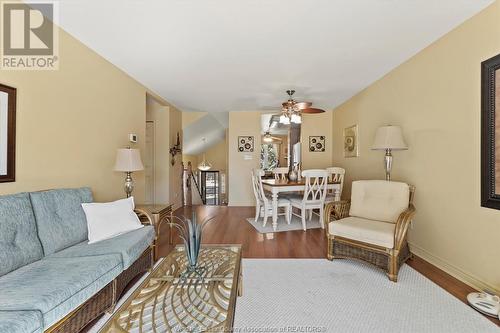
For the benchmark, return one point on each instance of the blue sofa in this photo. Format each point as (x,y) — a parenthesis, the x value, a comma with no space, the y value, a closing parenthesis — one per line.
(50,278)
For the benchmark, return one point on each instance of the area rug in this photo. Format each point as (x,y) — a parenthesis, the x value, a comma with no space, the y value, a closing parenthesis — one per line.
(316,295)
(295,224)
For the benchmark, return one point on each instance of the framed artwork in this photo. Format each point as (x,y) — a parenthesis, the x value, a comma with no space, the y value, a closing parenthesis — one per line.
(245,144)
(7,133)
(317,143)
(351,141)
(490,133)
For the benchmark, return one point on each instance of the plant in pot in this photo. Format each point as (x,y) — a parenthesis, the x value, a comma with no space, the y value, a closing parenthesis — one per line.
(190,231)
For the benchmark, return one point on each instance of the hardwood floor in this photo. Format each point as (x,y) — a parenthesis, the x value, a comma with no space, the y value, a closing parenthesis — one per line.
(229,227)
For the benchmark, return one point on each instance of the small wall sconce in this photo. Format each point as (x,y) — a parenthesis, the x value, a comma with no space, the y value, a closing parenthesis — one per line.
(175,149)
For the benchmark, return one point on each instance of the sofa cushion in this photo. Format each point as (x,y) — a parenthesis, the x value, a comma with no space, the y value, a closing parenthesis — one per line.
(128,246)
(21,322)
(364,230)
(60,218)
(379,199)
(19,243)
(56,286)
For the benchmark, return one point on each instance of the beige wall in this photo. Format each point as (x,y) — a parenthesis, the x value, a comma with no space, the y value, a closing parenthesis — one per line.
(316,124)
(190,117)
(160,115)
(216,155)
(435,98)
(242,123)
(71,121)
(248,123)
(190,158)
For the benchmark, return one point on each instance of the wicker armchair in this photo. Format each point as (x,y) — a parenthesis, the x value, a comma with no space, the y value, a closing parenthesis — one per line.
(377,234)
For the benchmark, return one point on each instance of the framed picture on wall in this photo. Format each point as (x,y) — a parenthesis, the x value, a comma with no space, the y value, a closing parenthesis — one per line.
(351,141)
(245,144)
(490,133)
(7,133)
(317,143)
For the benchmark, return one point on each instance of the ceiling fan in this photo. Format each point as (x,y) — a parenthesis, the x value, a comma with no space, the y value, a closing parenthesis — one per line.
(268,138)
(292,110)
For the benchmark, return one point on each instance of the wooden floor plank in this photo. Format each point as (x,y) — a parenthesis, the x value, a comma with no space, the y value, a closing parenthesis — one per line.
(230,227)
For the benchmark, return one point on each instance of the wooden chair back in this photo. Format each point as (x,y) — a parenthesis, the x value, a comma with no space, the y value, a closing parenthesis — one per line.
(315,185)
(336,174)
(258,189)
(280,173)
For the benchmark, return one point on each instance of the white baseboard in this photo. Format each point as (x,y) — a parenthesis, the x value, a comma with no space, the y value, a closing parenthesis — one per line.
(454,271)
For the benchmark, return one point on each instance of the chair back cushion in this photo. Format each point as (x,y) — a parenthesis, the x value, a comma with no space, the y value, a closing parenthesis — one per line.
(379,200)
(19,243)
(60,218)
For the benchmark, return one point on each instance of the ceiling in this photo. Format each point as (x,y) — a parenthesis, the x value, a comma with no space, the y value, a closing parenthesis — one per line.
(204,133)
(226,55)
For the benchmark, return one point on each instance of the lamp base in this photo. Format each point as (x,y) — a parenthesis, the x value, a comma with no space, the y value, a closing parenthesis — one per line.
(129,184)
(388,164)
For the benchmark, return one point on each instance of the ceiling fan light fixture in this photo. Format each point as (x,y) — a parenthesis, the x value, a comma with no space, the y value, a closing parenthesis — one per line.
(284,119)
(267,138)
(292,110)
(296,119)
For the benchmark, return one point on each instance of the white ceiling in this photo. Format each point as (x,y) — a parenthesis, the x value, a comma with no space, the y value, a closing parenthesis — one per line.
(227,55)
(204,133)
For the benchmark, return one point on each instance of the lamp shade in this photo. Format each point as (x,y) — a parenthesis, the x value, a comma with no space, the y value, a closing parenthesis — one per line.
(128,160)
(389,137)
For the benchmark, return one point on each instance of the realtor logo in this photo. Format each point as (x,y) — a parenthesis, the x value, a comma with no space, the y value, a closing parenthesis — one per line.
(29,37)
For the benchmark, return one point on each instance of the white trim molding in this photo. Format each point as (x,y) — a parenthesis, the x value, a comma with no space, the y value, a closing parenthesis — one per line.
(454,271)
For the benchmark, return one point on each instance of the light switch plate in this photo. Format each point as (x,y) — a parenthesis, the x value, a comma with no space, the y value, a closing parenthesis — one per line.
(132,138)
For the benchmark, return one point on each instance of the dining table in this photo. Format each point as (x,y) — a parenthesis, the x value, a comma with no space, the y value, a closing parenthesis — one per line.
(277,186)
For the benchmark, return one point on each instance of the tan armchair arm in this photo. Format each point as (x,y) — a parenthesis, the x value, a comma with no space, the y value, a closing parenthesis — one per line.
(402,225)
(336,210)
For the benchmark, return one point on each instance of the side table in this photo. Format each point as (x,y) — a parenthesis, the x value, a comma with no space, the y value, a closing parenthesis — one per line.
(156,214)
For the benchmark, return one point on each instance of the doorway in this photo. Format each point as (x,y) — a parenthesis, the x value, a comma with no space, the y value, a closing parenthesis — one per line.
(210,187)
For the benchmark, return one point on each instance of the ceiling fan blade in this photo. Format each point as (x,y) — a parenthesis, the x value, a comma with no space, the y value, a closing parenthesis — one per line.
(303,105)
(312,110)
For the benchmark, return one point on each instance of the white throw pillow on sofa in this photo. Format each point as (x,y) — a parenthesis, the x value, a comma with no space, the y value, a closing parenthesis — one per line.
(110,219)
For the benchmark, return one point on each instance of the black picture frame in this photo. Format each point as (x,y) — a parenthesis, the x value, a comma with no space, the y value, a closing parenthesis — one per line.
(489,196)
(10,175)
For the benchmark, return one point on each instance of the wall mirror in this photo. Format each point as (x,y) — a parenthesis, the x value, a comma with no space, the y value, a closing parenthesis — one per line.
(280,143)
(7,133)
(490,133)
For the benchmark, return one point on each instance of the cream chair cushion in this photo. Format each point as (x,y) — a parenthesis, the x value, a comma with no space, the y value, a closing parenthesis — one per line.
(364,230)
(379,200)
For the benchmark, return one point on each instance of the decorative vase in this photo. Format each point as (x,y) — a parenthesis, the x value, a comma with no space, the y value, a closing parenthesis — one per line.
(293,174)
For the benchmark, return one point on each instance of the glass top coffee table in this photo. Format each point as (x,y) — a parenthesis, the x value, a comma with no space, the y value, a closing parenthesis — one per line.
(165,302)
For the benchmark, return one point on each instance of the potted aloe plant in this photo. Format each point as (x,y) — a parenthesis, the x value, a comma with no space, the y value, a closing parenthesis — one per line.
(190,231)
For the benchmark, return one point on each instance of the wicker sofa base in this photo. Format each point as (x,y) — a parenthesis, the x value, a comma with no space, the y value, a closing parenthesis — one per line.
(344,250)
(105,299)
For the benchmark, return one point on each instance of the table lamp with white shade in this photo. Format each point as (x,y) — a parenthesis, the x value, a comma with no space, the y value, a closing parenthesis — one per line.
(128,160)
(389,138)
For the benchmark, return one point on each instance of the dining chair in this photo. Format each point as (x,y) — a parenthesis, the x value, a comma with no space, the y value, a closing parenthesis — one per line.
(335,174)
(314,195)
(264,204)
(280,173)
